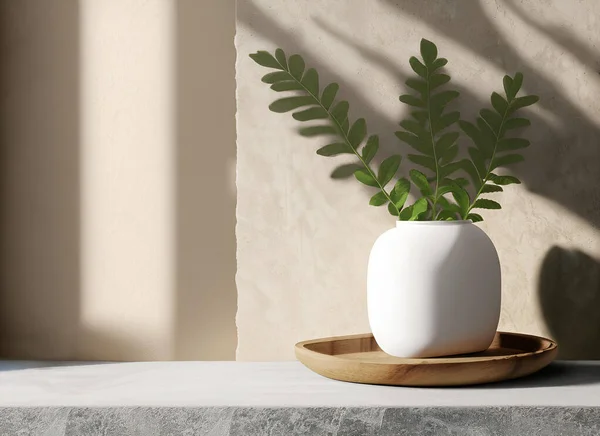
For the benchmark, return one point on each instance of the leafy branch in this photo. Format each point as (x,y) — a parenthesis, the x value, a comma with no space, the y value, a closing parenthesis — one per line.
(493,148)
(332,115)
(427,131)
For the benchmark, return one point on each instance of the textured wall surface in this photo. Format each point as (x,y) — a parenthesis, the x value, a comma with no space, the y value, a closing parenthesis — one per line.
(303,238)
(109,115)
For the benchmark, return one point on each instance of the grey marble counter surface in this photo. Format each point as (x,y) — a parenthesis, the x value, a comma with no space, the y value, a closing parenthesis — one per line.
(284,398)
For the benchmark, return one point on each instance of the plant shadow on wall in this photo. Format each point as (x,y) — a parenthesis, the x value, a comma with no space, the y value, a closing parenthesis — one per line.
(562,166)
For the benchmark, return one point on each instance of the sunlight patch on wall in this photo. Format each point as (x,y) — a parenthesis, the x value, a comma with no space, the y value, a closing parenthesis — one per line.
(127,192)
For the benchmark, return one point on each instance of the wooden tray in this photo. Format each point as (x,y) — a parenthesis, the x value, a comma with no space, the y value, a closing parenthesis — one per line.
(359,359)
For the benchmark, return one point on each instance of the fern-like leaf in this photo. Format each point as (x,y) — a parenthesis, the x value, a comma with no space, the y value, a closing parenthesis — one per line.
(492,147)
(310,104)
(428,132)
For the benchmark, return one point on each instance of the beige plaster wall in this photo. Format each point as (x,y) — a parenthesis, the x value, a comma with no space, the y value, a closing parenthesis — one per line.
(303,238)
(117,176)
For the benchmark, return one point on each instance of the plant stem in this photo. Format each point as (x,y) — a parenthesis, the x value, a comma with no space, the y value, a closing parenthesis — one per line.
(344,136)
(437,169)
(498,136)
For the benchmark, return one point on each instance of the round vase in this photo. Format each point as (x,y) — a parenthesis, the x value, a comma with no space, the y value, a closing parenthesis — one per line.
(433,289)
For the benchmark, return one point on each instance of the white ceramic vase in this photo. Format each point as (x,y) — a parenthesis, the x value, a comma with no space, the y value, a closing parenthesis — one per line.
(433,289)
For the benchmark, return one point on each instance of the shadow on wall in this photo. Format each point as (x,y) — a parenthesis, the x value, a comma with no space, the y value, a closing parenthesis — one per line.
(570,301)
(40,207)
(206,300)
(40,181)
(40,187)
(562,168)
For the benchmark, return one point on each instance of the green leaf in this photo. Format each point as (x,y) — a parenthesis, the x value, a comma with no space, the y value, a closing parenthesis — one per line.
(400,193)
(475,217)
(484,203)
(461,196)
(313,113)
(345,171)
(503,180)
(418,67)
(515,123)
(521,102)
(370,149)
(418,208)
(470,169)
(473,132)
(445,121)
(507,82)
(420,181)
(439,63)
(281,58)
(296,66)
(345,125)
(499,103)
(500,161)
(508,144)
(411,100)
(443,98)
(388,169)
(449,155)
(340,111)
(446,215)
(446,170)
(446,141)
(415,142)
(378,199)
(417,84)
(477,160)
(460,181)
(448,185)
(276,76)
(512,86)
(421,116)
(492,119)
(428,51)
(317,130)
(446,205)
(405,213)
(334,149)
(424,161)
(290,103)
(392,209)
(363,176)
(329,94)
(265,59)
(357,132)
(311,81)
(488,189)
(488,136)
(437,80)
(290,85)
(413,127)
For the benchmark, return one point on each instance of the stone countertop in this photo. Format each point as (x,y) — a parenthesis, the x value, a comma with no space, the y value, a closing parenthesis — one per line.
(269,384)
(283,399)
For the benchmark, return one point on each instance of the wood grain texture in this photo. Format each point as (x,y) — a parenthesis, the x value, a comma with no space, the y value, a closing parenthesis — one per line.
(359,359)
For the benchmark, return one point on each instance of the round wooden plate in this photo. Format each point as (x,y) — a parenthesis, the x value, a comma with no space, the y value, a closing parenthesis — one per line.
(359,359)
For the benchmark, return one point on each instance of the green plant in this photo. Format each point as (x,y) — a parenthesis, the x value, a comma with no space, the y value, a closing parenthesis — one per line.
(429,131)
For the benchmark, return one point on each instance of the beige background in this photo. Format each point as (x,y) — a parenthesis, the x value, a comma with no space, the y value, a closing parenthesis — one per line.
(303,239)
(117,179)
